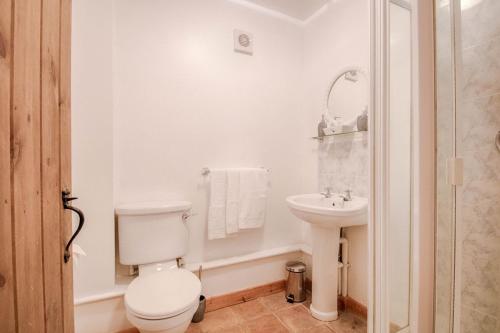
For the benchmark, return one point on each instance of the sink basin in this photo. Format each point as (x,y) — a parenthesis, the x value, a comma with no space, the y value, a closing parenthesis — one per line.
(328,212)
(326,216)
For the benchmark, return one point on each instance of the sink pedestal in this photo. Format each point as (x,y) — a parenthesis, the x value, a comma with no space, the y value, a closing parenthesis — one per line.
(326,219)
(325,251)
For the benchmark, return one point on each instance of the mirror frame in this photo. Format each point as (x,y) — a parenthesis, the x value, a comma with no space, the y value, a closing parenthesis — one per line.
(341,73)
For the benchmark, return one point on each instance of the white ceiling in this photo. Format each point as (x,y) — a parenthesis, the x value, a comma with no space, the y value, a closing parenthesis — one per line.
(298,9)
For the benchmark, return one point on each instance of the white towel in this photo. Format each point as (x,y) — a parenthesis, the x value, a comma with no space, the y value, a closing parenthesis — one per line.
(232,200)
(253,198)
(217,206)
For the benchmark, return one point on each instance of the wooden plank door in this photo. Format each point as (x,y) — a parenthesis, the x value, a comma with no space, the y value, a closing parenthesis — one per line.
(36,292)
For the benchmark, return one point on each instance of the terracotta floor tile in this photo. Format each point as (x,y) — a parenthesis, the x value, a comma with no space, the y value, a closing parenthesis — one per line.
(194,328)
(220,319)
(231,329)
(130,330)
(265,324)
(297,318)
(272,314)
(348,323)
(318,329)
(276,302)
(251,309)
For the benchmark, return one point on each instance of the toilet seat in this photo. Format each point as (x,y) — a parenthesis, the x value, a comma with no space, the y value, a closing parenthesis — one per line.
(163,294)
(177,324)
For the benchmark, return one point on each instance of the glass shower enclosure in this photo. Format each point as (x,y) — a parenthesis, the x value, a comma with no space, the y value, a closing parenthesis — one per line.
(467,283)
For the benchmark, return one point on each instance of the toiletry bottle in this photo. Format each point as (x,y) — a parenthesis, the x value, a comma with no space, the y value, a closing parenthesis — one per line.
(362,121)
(321,126)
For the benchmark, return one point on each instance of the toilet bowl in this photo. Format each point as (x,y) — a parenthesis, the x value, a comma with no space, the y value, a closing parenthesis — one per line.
(163,301)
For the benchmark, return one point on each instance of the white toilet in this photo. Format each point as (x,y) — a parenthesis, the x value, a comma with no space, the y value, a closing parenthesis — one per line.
(163,298)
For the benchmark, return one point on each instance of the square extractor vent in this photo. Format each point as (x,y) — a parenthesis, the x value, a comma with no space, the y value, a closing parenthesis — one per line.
(243,42)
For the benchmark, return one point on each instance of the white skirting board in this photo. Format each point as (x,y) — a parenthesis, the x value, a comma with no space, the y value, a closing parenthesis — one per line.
(106,313)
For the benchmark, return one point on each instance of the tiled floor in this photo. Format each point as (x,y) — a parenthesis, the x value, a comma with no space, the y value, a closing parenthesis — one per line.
(273,314)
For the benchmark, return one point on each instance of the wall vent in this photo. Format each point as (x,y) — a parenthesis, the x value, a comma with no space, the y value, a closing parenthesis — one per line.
(243,42)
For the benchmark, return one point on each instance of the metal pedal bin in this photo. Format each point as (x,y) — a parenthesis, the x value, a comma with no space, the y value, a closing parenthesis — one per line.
(296,284)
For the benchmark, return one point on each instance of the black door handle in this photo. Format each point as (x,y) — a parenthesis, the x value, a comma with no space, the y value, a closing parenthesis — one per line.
(81,219)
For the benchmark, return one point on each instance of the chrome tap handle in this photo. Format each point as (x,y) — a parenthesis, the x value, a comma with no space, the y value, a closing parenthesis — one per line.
(347,196)
(328,192)
(348,193)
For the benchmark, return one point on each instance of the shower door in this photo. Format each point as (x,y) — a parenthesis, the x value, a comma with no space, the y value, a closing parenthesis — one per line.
(467,280)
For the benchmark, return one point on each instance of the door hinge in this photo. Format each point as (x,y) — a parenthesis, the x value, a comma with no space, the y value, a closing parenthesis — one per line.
(455,171)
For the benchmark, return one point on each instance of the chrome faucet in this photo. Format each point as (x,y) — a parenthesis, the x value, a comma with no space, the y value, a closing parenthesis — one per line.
(346,196)
(328,193)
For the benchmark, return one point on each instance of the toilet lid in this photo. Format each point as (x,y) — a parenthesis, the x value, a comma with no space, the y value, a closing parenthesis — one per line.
(163,294)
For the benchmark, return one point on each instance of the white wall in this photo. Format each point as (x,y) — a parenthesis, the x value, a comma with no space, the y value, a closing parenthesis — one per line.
(335,40)
(185,100)
(92,143)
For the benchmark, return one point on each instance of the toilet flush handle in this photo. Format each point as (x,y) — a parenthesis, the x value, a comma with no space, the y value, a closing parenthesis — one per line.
(187,215)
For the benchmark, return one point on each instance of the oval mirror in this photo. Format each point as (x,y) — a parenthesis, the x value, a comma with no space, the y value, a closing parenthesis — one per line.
(347,98)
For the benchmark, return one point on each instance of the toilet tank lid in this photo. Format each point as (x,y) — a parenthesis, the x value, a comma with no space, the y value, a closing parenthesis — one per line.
(152,207)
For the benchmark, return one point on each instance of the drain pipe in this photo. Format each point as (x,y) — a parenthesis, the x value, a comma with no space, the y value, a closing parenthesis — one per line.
(339,279)
(345,264)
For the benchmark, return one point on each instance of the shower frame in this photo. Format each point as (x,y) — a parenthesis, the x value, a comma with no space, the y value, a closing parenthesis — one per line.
(423,159)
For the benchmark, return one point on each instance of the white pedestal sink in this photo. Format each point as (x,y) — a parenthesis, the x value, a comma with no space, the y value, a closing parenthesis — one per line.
(326,219)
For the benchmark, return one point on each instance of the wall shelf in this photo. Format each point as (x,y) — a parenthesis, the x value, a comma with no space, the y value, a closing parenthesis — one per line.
(321,138)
